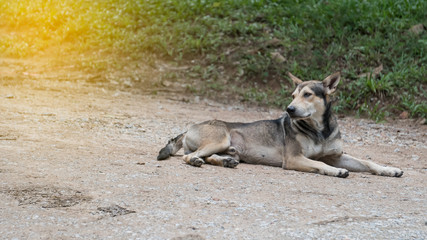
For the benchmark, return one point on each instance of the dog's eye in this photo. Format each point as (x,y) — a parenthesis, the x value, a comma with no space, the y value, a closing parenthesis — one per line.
(293,96)
(306,95)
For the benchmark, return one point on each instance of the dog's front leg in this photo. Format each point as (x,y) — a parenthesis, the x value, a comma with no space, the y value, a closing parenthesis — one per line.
(303,164)
(358,165)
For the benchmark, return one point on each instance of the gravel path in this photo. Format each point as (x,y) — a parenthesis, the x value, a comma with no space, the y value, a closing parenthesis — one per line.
(78,162)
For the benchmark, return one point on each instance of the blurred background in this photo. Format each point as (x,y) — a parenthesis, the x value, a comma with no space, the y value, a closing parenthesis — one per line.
(229,50)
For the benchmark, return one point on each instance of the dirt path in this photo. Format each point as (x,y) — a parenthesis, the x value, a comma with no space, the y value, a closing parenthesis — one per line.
(78,162)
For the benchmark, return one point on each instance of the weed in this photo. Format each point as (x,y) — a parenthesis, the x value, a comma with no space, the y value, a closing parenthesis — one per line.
(374,112)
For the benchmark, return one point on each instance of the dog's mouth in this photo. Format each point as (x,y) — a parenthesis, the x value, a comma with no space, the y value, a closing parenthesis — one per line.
(295,113)
(297,117)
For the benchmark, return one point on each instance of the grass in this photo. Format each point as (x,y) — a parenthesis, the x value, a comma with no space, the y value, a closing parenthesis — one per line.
(233,43)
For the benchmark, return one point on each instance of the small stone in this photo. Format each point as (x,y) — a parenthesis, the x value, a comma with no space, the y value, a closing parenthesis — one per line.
(396,150)
(9,96)
(415,157)
(421,121)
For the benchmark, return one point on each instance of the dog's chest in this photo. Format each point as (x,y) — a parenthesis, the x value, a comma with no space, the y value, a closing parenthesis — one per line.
(315,150)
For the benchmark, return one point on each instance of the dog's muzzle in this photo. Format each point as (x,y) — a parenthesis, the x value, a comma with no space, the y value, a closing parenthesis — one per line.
(291,110)
(293,113)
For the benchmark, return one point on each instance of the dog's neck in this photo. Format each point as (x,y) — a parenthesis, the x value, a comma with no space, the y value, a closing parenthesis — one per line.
(318,126)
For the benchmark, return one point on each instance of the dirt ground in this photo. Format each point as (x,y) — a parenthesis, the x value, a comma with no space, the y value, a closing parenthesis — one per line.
(78,161)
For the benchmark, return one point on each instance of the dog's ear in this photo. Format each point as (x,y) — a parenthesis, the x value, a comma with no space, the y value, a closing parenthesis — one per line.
(330,83)
(296,80)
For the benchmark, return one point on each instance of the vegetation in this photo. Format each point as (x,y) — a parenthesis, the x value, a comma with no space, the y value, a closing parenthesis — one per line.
(248,45)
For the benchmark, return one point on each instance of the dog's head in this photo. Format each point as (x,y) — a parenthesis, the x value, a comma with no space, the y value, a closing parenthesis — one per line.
(311,98)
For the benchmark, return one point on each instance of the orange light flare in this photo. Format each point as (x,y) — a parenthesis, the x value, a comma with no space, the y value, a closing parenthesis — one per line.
(38,41)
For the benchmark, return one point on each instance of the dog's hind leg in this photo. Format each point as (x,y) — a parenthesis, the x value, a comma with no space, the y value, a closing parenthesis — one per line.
(357,165)
(195,158)
(204,140)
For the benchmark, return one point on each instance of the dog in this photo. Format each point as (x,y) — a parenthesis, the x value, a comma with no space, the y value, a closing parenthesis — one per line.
(306,138)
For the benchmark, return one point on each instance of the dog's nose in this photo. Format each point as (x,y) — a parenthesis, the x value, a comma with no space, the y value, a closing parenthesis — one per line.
(290,109)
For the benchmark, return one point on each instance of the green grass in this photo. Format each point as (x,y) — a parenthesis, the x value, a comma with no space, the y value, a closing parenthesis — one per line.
(232,41)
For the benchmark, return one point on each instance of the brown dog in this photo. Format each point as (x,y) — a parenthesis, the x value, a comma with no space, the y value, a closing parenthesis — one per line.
(306,138)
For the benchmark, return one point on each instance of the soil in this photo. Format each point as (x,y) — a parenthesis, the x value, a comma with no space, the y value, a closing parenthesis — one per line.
(78,161)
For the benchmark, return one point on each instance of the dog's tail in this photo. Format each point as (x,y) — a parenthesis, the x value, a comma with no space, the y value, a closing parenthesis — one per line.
(171,147)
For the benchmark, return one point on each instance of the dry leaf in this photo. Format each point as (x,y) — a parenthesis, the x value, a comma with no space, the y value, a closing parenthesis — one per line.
(374,72)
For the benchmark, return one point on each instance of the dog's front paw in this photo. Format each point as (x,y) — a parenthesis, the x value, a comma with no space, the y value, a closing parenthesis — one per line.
(390,172)
(342,173)
(335,172)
